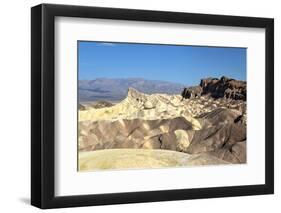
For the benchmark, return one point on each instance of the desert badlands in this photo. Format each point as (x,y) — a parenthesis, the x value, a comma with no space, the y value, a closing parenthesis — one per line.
(204,125)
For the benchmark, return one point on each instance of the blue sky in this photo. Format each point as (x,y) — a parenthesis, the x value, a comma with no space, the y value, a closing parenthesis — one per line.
(181,64)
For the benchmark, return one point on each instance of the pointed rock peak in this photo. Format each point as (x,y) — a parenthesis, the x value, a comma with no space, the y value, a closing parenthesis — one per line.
(131,89)
(134,93)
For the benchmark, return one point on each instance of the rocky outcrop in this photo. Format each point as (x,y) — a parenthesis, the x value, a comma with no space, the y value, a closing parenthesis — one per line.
(192,92)
(218,88)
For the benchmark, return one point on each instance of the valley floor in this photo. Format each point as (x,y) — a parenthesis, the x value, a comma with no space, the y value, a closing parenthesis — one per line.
(142,159)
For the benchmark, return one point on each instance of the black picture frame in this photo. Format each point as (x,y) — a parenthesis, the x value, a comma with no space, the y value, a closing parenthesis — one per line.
(43,114)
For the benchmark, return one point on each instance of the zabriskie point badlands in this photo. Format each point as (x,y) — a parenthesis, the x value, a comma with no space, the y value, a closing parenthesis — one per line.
(204,125)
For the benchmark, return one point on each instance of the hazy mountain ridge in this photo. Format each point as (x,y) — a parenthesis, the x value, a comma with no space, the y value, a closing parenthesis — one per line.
(116,89)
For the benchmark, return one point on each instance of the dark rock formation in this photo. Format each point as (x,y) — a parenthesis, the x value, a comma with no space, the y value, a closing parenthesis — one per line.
(224,88)
(218,88)
(192,92)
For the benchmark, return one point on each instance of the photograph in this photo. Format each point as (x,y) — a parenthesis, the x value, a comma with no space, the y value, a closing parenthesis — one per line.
(139,105)
(148,106)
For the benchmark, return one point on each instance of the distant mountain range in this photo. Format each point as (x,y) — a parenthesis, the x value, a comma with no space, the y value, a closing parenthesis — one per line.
(116,89)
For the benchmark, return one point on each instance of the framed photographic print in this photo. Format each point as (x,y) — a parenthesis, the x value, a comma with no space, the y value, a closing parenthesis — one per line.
(139,106)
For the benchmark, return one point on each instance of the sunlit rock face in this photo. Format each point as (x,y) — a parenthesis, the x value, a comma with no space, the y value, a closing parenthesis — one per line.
(218,88)
(207,129)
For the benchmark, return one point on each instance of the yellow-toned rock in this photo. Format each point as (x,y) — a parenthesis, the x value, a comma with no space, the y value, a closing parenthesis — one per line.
(183,140)
(141,159)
